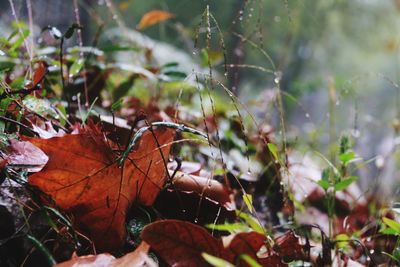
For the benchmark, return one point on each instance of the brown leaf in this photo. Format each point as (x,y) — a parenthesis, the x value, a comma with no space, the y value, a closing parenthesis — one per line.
(246,243)
(181,243)
(136,258)
(38,76)
(22,153)
(288,246)
(154,17)
(83,178)
(204,186)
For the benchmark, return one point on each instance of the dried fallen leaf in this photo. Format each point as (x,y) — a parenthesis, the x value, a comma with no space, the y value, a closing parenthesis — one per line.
(136,258)
(244,243)
(181,243)
(154,17)
(23,153)
(38,76)
(206,187)
(83,178)
(289,247)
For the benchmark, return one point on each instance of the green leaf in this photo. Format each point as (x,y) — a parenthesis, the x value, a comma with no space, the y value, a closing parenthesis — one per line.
(117,104)
(251,221)
(174,75)
(249,260)
(344,144)
(324,184)
(41,106)
(63,114)
(273,149)
(14,33)
(345,183)
(43,249)
(335,170)
(76,66)
(215,261)
(124,87)
(342,240)
(346,157)
(63,219)
(392,224)
(169,65)
(248,200)
(229,227)
(19,41)
(388,231)
(6,66)
(68,34)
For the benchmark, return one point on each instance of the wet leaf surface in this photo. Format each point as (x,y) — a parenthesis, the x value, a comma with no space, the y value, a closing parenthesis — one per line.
(83,178)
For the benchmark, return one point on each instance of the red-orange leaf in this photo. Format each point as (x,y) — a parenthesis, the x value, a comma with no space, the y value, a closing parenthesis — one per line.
(154,17)
(288,246)
(181,243)
(244,243)
(83,178)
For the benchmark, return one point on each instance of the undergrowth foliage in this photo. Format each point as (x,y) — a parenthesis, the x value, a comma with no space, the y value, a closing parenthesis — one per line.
(116,147)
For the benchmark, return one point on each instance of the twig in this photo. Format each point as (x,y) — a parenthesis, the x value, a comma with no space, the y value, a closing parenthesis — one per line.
(18,123)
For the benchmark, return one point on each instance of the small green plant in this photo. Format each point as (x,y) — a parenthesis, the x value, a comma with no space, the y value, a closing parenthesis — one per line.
(392,227)
(336,178)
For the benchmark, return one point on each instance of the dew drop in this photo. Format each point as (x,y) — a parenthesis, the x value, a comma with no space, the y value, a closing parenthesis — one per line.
(226,74)
(196,220)
(278,77)
(194,52)
(355,133)
(307,115)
